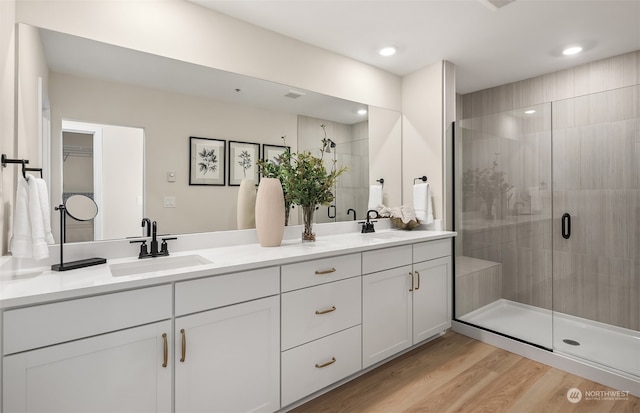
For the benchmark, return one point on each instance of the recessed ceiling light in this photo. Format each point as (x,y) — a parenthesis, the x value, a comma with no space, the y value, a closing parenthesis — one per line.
(388,51)
(530,111)
(362,111)
(572,50)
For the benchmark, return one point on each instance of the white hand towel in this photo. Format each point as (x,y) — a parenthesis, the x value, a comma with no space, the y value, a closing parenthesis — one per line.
(45,207)
(21,245)
(375,197)
(422,203)
(39,245)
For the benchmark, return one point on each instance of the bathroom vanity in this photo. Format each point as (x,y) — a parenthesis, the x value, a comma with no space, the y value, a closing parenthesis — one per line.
(227,329)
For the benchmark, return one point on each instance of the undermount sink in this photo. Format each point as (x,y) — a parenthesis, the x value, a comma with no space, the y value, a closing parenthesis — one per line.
(156,264)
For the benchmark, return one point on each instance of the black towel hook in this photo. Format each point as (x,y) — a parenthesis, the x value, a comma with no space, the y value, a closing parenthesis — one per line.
(422,178)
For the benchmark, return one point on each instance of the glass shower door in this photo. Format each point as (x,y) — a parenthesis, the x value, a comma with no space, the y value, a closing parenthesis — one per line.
(502,179)
(596,228)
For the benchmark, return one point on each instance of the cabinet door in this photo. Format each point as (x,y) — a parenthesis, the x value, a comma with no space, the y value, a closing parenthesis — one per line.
(386,314)
(228,359)
(431,298)
(116,372)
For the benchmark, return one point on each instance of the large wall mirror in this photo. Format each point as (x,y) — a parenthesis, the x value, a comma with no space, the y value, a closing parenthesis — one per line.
(84,82)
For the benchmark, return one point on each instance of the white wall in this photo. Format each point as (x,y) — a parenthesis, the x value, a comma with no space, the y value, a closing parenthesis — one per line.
(122,182)
(422,133)
(7,110)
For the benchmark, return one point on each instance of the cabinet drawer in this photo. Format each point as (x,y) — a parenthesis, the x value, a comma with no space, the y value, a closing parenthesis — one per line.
(218,291)
(305,369)
(43,325)
(384,259)
(309,273)
(318,311)
(430,250)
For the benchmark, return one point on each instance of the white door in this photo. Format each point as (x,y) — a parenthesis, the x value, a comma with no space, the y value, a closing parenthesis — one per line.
(123,371)
(431,298)
(386,314)
(228,360)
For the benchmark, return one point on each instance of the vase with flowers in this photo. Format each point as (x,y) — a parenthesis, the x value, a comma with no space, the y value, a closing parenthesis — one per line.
(305,181)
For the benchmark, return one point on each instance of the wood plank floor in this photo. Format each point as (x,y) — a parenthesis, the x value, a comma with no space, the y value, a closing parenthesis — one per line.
(455,373)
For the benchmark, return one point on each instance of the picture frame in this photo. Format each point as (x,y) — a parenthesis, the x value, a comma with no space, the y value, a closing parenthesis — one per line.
(207,161)
(269,152)
(242,162)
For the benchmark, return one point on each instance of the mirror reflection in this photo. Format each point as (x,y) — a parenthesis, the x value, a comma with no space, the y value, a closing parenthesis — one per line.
(85,82)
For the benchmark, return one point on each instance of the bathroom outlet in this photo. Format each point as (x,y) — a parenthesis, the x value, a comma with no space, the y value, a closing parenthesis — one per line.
(169,201)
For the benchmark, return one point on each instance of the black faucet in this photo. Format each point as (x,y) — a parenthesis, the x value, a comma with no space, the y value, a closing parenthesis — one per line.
(367,226)
(154,239)
(147,222)
(350,210)
(164,248)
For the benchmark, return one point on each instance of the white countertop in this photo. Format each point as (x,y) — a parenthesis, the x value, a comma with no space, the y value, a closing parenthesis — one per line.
(40,284)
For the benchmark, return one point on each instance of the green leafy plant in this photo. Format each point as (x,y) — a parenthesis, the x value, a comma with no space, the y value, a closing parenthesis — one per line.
(487,184)
(304,178)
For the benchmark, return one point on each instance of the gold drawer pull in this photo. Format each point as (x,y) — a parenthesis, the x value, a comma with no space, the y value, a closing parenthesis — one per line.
(184,346)
(166,350)
(328,310)
(329,271)
(328,363)
(418,274)
(411,275)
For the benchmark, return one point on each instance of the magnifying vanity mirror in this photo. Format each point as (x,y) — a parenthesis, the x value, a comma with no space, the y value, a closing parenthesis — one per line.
(83,81)
(80,208)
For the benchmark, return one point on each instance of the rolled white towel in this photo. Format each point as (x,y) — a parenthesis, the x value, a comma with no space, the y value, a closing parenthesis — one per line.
(422,203)
(21,245)
(39,245)
(375,197)
(45,208)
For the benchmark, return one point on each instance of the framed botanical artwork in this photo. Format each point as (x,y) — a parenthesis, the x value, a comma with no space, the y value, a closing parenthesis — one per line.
(242,162)
(271,152)
(207,161)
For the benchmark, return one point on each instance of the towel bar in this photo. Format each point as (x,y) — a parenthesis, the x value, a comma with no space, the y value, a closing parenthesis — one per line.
(422,178)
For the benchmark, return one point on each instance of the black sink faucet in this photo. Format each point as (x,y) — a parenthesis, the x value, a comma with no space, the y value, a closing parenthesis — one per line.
(154,239)
(147,222)
(152,229)
(350,210)
(367,226)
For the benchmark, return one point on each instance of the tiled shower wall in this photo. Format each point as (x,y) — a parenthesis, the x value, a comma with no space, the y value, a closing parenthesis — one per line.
(596,169)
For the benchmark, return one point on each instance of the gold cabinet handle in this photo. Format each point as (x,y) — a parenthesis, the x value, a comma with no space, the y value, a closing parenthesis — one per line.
(166,349)
(418,286)
(328,310)
(322,272)
(184,345)
(328,363)
(411,275)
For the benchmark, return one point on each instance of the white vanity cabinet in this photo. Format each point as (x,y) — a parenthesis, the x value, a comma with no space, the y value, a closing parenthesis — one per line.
(84,355)
(321,317)
(227,343)
(406,300)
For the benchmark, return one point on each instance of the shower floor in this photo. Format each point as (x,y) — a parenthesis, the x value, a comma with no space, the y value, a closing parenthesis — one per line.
(611,346)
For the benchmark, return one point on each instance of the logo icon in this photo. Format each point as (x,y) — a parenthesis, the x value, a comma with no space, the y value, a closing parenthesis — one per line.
(574,395)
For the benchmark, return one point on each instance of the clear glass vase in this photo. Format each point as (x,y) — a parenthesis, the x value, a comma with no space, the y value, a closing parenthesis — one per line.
(307,216)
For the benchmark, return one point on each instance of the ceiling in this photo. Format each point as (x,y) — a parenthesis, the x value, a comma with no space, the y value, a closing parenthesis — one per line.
(488,45)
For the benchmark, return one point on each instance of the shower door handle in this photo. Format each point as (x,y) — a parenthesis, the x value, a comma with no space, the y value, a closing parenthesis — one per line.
(566,225)
(329,211)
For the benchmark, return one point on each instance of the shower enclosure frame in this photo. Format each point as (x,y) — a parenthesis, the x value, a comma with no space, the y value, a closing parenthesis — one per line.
(543,353)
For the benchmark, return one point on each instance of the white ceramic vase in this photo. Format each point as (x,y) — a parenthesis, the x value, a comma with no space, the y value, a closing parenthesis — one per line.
(270,212)
(247,204)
